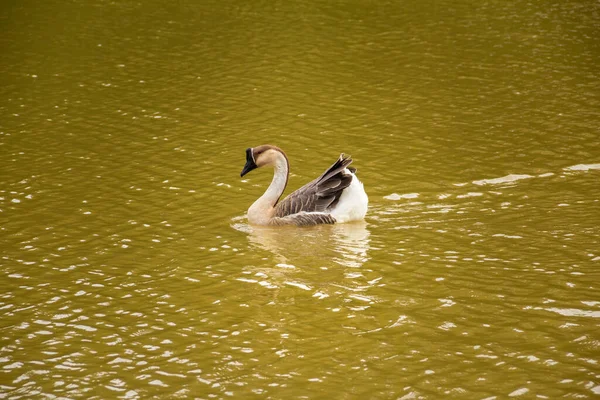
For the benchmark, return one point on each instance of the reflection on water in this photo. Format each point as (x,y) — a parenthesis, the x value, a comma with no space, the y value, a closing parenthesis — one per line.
(352,242)
(345,244)
(314,250)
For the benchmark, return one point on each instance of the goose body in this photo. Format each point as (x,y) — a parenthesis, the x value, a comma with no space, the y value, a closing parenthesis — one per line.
(336,196)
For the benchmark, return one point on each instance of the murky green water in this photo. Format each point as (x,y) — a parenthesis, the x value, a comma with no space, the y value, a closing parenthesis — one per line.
(127,269)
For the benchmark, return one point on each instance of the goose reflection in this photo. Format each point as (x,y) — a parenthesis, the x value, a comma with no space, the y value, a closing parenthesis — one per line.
(326,261)
(344,244)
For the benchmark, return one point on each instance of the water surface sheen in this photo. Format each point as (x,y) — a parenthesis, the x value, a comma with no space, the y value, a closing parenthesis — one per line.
(127,266)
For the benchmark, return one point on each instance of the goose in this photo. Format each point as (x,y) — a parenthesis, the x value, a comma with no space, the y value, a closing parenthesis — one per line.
(336,196)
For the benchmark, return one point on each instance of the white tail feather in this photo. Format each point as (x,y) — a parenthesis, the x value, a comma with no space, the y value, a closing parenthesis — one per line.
(353,202)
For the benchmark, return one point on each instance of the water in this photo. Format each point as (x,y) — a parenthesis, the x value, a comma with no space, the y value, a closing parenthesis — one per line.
(128,270)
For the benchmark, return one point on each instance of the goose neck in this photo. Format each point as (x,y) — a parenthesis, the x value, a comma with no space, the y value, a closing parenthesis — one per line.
(280,179)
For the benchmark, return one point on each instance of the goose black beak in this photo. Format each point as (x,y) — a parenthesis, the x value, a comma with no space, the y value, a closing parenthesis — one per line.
(250,164)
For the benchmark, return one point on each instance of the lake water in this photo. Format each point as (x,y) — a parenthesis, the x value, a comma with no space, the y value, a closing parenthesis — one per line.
(128,269)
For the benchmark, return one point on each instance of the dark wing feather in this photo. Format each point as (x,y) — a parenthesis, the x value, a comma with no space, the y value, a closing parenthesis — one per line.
(303,219)
(319,195)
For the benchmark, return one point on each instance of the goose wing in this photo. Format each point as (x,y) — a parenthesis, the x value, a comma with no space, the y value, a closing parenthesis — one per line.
(303,219)
(319,195)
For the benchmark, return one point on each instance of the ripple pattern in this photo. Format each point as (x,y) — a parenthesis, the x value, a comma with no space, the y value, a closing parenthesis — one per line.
(127,266)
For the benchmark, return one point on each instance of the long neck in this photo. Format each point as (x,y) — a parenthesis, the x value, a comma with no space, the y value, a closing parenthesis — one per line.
(279,182)
(262,210)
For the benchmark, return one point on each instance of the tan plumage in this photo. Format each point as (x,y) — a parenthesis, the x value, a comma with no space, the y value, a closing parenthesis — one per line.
(314,203)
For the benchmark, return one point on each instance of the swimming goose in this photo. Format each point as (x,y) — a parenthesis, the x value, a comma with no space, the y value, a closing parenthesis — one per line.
(335,196)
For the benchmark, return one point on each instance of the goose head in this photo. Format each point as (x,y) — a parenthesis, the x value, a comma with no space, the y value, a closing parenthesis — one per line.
(261,156)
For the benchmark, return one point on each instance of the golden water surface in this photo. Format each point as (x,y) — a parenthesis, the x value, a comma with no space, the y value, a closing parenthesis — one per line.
(128,269)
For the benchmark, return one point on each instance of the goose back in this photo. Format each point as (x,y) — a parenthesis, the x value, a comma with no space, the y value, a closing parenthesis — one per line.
(316,197)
